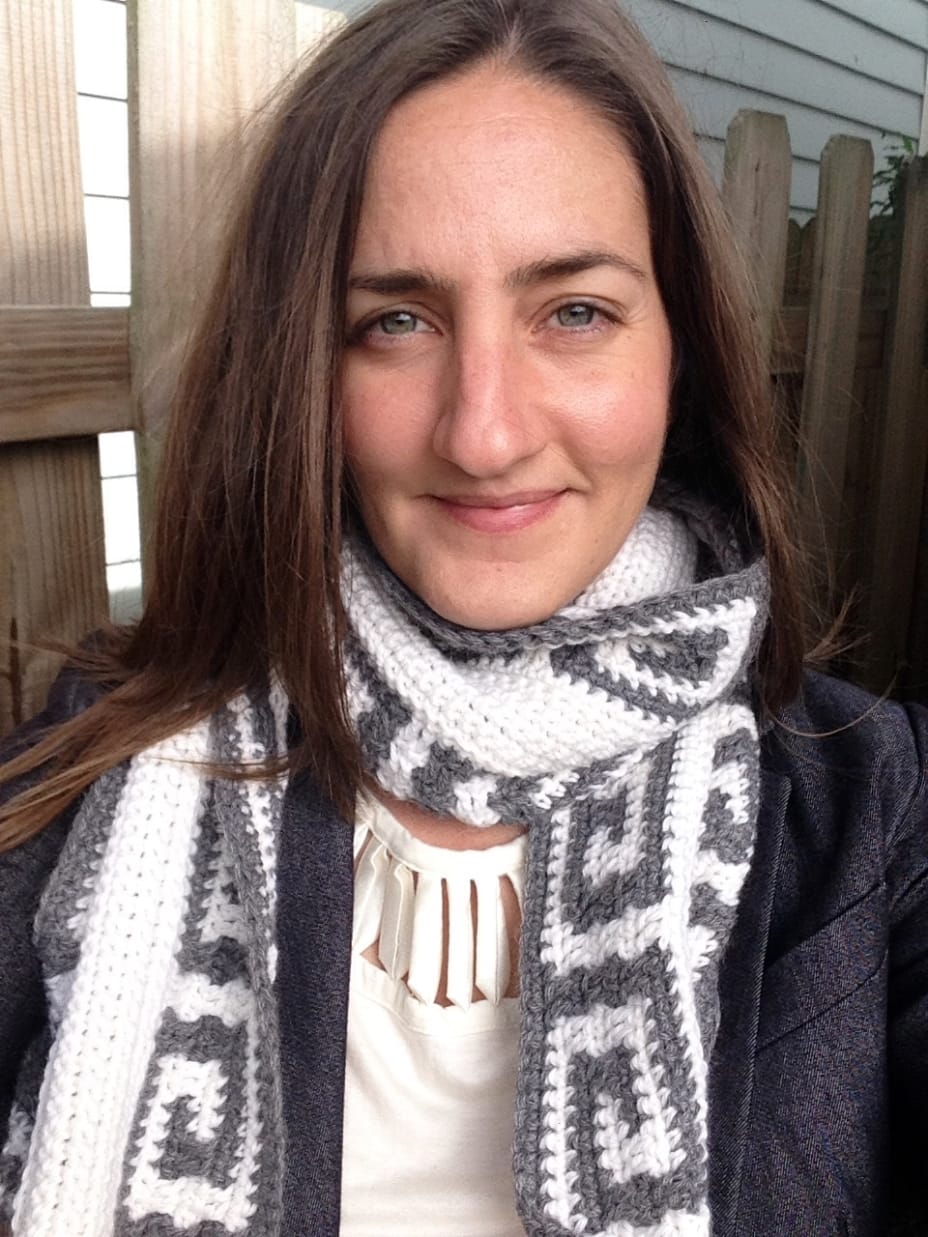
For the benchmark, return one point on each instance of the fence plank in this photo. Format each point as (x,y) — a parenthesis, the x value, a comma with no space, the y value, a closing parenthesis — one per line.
(197,72)
(916,679)
(758,171)
(901,468)
(793,256)
(51,510)
(52,574)
(789,345)
(44,259)
(806,259)
(63,373)
(855,546)
(840,255)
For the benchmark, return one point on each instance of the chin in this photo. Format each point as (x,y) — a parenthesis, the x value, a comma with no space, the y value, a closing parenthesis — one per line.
(492,612)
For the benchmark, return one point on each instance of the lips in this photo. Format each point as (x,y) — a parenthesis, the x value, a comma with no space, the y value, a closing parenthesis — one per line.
(501,513)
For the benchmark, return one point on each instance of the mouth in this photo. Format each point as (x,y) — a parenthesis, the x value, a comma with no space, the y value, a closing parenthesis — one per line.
(506,513)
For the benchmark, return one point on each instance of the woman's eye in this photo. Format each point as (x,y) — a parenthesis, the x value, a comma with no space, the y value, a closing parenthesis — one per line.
(398,322)
(387,327)
(577,315)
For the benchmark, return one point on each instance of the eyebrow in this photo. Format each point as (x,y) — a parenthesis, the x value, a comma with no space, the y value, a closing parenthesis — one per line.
(548,269)
(402,282)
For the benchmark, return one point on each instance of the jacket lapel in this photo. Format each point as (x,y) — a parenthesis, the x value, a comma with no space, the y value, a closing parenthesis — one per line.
(314,909)
(731,1073)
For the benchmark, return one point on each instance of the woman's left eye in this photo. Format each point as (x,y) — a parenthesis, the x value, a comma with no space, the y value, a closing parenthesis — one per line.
(578,314)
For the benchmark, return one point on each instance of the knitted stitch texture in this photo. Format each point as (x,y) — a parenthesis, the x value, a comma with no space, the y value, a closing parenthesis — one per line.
(159,1112)
(620,731)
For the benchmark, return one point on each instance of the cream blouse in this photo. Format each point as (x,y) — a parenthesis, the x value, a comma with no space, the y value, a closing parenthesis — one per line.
(432,1037)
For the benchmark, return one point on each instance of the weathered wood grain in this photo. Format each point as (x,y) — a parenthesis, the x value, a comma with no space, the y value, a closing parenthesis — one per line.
(197,74)
(831,351)
(758,167)
(57,586)
(52,573)
(896,503)
(64,373)
(791,342)
(916,677)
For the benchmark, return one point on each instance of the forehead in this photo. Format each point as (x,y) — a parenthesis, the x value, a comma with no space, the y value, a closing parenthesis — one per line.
(493,160)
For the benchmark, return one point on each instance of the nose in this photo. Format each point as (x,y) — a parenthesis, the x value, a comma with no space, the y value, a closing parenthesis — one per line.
(488,421)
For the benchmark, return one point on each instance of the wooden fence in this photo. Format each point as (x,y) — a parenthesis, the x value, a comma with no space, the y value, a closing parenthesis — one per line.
(845,316)
(844,304)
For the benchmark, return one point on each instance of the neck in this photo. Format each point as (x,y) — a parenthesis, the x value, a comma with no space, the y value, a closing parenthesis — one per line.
(443,831)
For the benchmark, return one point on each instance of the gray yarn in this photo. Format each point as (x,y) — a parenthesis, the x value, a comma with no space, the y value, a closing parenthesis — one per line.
(585,1157)
(227,960)
(672,645)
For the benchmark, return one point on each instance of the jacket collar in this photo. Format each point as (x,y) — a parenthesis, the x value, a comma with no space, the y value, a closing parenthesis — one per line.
(731,1075)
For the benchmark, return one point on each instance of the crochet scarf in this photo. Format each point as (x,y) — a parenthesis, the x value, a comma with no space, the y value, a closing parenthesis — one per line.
(620,731)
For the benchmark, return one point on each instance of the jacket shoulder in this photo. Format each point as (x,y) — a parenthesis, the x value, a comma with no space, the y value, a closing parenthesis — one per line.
(826,706)
(24,873)
(24,869)
(857,815)
(69,694)
(836,732)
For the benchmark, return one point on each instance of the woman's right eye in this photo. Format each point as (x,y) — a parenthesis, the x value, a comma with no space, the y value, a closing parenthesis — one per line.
(389,328)
(396,322)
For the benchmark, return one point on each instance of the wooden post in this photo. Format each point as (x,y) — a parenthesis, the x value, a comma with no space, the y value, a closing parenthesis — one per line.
(64,373)
(896,502)
(52,561)
(794,293)
(197,72)
(756,189)
(916,681)
(839,259)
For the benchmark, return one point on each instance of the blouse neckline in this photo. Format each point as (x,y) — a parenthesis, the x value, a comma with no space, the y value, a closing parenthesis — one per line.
(432,919)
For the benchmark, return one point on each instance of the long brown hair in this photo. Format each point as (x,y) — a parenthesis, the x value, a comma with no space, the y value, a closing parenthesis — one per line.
(252,495)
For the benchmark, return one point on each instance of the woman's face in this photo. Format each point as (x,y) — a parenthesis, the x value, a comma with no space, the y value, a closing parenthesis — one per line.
(507,374)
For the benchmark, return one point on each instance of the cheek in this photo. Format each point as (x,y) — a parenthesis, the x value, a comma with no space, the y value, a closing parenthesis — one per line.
(621,404)
(624,426)
(362,427)
(385,432)
(357,410)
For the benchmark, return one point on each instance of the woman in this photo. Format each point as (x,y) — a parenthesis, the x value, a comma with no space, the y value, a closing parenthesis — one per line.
(458,787)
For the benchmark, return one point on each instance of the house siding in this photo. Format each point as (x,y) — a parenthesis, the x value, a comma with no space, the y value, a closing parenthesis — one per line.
(829,66)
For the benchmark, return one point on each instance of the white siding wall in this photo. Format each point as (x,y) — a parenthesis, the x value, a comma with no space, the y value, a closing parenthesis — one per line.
(830,66)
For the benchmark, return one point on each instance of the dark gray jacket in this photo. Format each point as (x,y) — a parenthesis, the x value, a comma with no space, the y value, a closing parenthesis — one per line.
(819,1080)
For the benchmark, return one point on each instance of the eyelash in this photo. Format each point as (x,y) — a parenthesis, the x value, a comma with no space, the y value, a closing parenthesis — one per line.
(601,315)
(366,330)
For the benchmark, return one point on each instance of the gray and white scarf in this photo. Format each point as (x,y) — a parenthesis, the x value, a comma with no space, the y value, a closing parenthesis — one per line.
(620,731)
